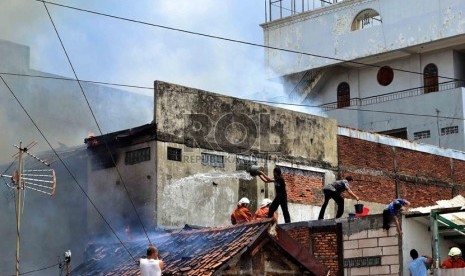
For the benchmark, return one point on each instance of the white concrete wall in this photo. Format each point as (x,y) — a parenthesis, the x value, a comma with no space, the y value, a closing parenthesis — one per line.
(327,31)
(417,236)
(449,103)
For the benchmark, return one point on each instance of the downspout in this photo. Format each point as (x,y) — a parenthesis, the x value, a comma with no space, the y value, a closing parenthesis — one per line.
(435,242)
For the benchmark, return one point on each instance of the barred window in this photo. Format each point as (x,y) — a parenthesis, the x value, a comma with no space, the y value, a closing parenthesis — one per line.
(421,135)
(174,154)
(213,160)
(137,156)
(244,162)
(449,130)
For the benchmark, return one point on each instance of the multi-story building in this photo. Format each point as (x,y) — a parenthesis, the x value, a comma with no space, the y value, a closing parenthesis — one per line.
(393,67)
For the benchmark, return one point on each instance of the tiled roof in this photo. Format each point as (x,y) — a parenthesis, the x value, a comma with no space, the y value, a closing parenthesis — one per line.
(193,252)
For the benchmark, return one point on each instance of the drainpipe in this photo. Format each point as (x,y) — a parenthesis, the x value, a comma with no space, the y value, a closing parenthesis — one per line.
(435,242)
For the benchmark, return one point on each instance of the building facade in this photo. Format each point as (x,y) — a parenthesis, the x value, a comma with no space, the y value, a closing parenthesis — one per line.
(188,166)
(374,67)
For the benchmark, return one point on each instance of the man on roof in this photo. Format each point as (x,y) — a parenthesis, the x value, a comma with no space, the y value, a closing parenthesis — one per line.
(242,213)
(151,266)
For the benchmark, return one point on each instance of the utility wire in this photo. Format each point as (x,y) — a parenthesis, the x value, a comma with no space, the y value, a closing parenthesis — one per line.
(231,39)
(96,122)
(64,165)
(40,269)
(253,100)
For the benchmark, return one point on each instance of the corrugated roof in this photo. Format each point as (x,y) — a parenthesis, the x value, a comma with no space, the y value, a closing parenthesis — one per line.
(455,217)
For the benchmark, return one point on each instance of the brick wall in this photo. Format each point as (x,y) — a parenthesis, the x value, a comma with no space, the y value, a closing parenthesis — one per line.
(325,250)
(383,172)
(303,186)
(301,235)
(364,238)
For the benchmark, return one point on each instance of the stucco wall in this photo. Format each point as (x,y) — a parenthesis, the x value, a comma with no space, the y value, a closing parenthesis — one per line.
(106,190)
(203,119)
(327,31)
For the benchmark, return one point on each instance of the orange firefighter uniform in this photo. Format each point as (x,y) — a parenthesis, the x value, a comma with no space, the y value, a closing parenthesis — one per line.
(262,213)
(241,215)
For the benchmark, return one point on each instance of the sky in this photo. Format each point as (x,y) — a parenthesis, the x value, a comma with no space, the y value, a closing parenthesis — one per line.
(110,50)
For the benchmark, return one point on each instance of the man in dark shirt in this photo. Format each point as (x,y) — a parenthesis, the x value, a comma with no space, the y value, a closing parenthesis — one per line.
(334,191)
(281,195)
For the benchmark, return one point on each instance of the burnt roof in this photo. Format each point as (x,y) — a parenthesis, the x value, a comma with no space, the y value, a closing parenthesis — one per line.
(138,134)
(193,252)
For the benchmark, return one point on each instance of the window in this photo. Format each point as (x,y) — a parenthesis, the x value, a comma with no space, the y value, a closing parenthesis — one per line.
(174,154)
(430,78)
(397,133)
(137,156)
(244,162)
(449,130)
(421,135)
(343,95)
(213,160)
(385,75)
(102,159)
(366,19)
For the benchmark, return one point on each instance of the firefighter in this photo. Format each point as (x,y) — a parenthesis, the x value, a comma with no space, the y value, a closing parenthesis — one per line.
(262,212)
(241,214)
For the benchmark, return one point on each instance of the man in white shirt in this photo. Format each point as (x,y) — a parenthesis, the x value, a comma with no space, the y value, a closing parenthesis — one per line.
(151,266)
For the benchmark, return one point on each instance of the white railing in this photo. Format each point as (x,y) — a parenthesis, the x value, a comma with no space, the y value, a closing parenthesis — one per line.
(277,9)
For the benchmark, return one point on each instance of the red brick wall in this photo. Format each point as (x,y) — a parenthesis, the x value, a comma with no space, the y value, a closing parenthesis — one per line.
(301,235)
(303,186)
(422,178)
(325,249)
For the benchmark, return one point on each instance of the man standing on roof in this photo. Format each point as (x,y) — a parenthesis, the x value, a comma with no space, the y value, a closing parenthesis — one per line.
(151,266)
(281,195)
(334,191)
(391,212)
(262,212)
(241,214)
(455,259)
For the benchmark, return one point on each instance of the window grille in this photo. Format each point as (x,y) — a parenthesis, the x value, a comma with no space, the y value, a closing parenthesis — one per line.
(213,160)
(137,156)
(449,130)
(174,154)
(421,135)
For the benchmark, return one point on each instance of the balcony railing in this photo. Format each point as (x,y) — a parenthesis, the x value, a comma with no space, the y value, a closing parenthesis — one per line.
(277,9)
(395,95)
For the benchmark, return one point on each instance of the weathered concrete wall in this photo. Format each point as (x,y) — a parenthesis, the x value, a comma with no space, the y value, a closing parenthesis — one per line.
(211,121)
(327,31)
(193,193)
(109,195)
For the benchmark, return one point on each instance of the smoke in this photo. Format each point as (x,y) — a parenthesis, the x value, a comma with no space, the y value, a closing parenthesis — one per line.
(109,50)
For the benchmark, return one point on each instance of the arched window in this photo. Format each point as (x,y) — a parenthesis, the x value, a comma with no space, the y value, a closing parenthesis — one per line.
(343,95)
(366,19)
(430,78)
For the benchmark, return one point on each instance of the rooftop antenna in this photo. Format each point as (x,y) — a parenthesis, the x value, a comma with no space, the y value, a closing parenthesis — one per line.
(39,180)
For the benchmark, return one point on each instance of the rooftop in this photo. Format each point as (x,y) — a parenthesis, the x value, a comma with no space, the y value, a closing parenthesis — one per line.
(192,252)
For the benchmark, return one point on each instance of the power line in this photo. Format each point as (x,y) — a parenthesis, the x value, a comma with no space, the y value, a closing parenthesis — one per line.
(70,79)
(96,122)
(230,39)
(253,100)
(40,269)
(64,165)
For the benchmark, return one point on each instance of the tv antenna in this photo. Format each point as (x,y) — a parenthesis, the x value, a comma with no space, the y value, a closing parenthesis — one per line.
(39,180)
